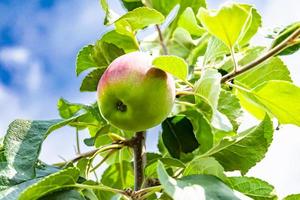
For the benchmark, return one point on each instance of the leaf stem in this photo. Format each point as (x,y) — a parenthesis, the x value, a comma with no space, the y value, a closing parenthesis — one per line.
(101,187)
(161,40)
(103,159)
(277,49)
(235,64)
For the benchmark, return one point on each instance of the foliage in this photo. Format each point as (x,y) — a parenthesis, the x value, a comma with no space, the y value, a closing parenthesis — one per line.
(219,75)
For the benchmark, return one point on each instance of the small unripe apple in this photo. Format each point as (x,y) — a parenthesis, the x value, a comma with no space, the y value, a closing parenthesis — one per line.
(134,95)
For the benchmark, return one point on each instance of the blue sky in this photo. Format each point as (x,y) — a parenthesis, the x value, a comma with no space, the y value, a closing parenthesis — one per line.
(39,40)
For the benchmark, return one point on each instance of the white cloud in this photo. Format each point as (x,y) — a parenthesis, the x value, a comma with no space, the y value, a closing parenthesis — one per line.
(26,70)
(14,55)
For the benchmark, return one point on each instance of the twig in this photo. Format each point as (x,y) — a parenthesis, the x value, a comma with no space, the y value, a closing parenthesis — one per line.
(161,40)
(103,160)
(277,49)
(139,159)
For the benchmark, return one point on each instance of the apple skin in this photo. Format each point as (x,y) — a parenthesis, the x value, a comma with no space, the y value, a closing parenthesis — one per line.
(133,95)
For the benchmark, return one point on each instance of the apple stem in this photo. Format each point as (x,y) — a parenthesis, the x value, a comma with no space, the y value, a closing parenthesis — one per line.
(139,151)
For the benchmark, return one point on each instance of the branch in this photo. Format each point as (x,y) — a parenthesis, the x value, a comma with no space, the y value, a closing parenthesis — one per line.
(93,153)
(277,49)
(161,40)
(139,159)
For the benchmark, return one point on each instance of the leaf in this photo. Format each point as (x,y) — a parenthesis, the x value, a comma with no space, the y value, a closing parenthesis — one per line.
(198,51)
(136,19)
(253,23)
(215,49)
(13,192)
(253,187)
(131,5)
(188,21)
(230,106)
(163,7)
(22,145)
(292,197)
(227,24)
(178,136)
(68,195)
(194,187)
(122,41)
(99,55)
(104,53)
(172,163)
(208,166)
(286,32)
(119,175)
(84,59)
(272,69)
(282,102)
(172,64)
(63,179)
(209,86)
(67,109)
(202,129)
(194,4)
(181,43)
(110,16)
(90,82)
(243,151)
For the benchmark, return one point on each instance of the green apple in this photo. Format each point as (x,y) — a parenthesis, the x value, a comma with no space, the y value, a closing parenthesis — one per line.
(134,95)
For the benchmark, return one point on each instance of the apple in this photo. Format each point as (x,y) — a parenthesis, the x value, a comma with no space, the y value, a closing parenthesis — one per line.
(133,95)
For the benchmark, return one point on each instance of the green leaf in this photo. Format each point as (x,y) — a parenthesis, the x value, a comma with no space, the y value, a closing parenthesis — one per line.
(67,109)
(63,179)
(132,4)
(292,197)
(90,82)
(188,21)
(227,24)
(215,49)
(122,41)
(67,195)
(283,102)
(181,43)
(194,187)
(230,106)
(253,187)
(202,129)
(13,192)
(178,135)
(99,55)
(198,51)
(22,145)
(119,175)
(110,16)
(243,151)
(209,86)
(172,64)
(194,4)
(253,23)
(136,19)
(286,32)
(208,166)
(84,59)
(163,7)
(272,69)
(104,53)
